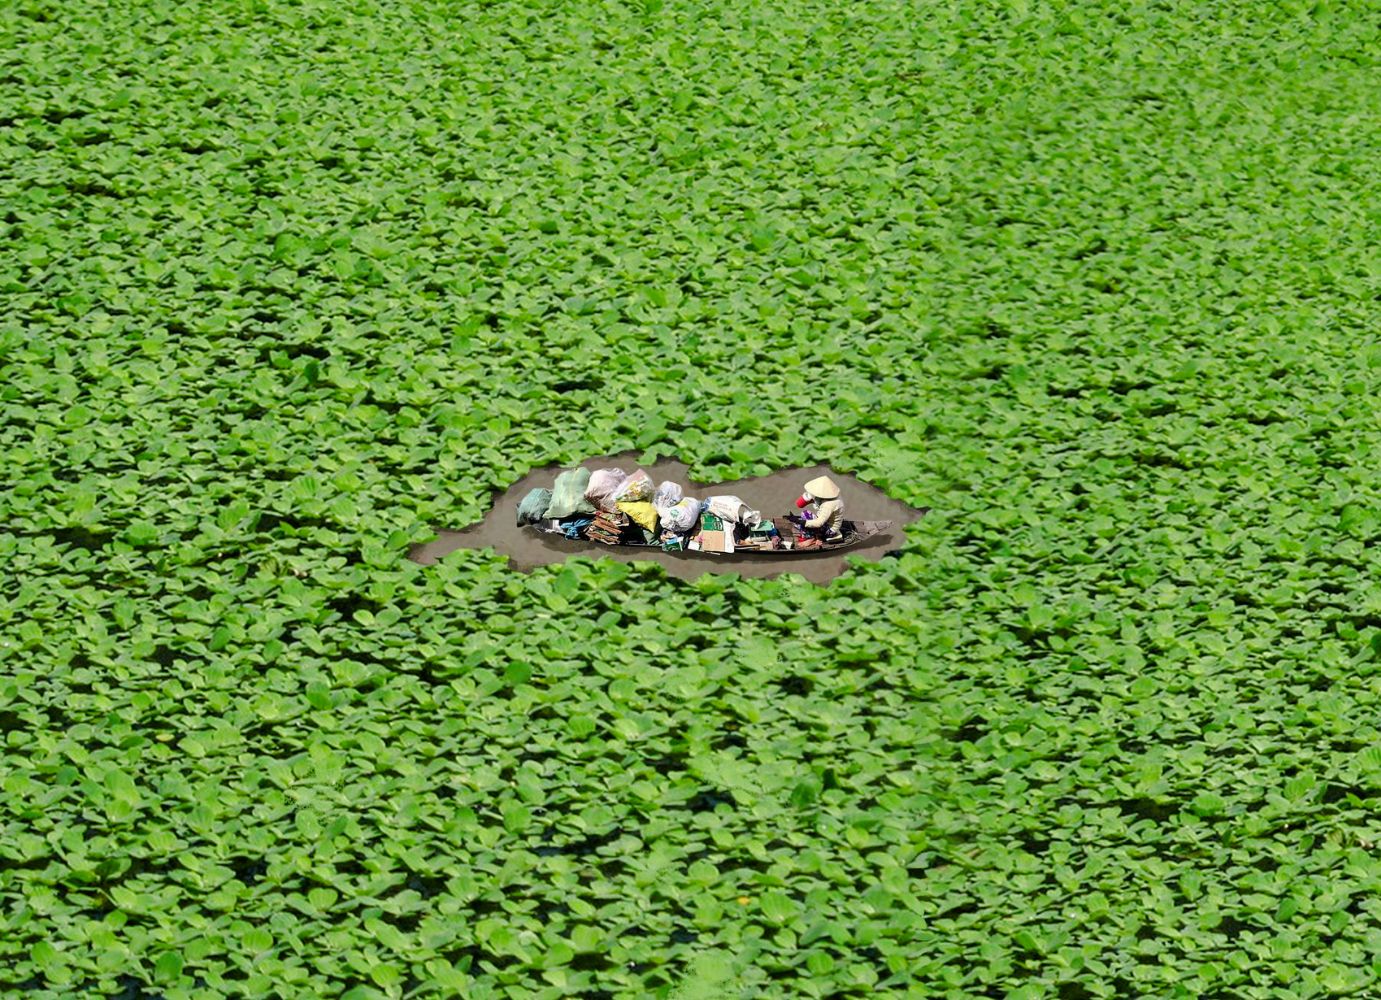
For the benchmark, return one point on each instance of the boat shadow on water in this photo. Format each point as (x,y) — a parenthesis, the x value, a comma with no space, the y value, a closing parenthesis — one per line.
(527,548)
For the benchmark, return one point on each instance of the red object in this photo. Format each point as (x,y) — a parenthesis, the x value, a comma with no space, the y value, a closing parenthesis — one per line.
(801,501)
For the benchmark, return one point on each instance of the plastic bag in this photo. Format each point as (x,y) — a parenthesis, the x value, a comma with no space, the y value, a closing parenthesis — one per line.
(575,527)
(642,513)
(668,495)
(681,517)
(568,494)
(733,510)
(533,507)
(637,488)
(603,482)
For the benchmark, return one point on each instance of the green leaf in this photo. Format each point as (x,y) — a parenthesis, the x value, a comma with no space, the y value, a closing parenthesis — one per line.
(585,938)
(168,967)
(256,940)
(580,726)
(386,975)
(778,907)
(45,955)
(1208,804)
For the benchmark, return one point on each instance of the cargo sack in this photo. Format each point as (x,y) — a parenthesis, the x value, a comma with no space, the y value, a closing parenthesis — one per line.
(603,482)
(533,506)
(668,495)
(637,488)
(568,494)
(734,510)
(681,517)
(643,513)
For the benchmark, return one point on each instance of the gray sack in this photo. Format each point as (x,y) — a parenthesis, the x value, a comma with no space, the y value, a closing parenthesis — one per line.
(533,506)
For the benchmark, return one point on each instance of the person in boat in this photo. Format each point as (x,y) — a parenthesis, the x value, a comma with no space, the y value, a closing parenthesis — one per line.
(827,520)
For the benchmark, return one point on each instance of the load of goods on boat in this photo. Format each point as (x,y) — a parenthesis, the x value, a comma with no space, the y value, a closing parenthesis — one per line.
(611,507)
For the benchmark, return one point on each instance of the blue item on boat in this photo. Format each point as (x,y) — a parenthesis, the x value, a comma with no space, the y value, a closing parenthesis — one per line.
(575,528)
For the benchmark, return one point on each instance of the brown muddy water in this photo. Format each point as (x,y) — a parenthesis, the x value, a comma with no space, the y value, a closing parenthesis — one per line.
(773,495)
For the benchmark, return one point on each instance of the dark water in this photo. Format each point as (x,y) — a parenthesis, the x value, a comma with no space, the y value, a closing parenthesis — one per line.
(773,495)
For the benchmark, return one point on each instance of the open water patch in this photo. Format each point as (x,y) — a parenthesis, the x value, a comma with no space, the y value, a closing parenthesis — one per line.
(772,494)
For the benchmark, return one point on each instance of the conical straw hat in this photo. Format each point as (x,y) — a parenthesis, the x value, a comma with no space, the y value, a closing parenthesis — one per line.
(822,488)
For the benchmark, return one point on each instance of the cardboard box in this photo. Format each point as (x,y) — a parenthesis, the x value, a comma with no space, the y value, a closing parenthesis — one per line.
(715,541)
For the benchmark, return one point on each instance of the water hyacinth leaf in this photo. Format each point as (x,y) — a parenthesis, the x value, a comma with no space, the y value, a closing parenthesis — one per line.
(778,907)
(169,966)
(1369,764)
(585,938)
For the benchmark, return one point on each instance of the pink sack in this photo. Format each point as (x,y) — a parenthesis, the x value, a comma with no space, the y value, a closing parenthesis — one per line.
(603,484)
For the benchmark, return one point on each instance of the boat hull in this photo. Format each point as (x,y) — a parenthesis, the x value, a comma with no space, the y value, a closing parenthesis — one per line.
(855,533)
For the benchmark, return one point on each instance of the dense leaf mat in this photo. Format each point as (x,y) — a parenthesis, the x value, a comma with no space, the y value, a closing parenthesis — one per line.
(286,282)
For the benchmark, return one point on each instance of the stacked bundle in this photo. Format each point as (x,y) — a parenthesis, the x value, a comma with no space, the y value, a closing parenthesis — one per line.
(607,527)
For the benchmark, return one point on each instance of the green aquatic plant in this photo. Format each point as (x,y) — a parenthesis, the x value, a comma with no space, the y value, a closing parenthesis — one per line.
(285,283)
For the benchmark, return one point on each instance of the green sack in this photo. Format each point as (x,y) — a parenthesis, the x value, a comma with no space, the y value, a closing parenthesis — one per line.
(533,506)
(568,495)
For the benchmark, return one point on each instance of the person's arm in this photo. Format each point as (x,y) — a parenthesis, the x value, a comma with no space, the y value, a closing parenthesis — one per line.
(822,514)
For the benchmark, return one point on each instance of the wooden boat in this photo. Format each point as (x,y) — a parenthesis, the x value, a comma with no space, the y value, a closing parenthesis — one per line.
(853,533)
